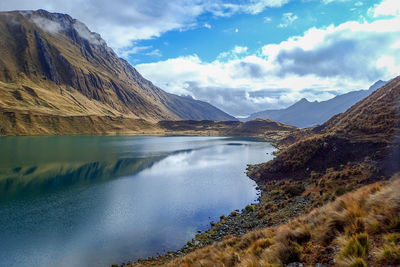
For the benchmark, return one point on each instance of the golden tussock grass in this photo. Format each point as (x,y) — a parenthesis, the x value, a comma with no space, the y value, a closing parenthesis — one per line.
(357,229)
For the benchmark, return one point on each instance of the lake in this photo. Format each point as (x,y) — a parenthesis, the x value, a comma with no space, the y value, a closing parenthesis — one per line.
(98,200)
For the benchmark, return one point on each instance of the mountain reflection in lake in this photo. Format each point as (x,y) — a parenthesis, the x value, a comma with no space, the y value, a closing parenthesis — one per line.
(94,201)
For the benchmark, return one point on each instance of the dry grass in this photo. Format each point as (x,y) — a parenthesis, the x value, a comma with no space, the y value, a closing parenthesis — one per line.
(357,229)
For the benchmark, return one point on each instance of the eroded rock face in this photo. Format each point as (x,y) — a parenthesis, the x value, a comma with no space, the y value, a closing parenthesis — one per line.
(76,73)
(45,59)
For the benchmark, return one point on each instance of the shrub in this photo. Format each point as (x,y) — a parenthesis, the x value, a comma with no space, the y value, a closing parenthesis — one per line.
(275,192)
(390,253)
(288,252)
(300,235)
(353,262)
(357,246)
(295,190)
(260,245)
(250,208)
(354,250)
(340,191)
(334,225)
(393,238)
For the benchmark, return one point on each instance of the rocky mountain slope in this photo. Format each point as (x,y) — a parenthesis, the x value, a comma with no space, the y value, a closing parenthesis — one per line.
(52,64)
(368,129)
(306,114)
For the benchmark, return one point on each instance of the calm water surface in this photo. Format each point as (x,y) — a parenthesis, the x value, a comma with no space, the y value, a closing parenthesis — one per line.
(94,201)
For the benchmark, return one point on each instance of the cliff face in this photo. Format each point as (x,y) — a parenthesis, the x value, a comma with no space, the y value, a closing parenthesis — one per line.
(53,64)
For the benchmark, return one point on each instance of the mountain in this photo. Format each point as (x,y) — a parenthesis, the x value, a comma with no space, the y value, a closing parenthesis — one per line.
(53,65)
(306,114)
(368,130)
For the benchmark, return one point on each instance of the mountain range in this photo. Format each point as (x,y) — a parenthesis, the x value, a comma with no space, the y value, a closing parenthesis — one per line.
(306,114)
(53,65)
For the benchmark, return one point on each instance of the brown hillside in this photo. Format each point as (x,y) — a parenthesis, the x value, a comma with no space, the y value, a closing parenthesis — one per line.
(357,229)
(258,128)
(368,129)
(53,64)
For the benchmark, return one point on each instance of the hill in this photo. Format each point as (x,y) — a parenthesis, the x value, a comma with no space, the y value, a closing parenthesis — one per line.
(306,114)
(268,129)
(356,229)
(53,65)
(368,129)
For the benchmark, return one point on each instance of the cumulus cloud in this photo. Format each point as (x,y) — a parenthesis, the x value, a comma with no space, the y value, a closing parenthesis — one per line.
(386,8)
(121,22)
(317,65)
(287,19)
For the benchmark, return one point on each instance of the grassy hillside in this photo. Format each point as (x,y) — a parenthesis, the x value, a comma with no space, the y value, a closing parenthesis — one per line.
(54,65)
(357,229)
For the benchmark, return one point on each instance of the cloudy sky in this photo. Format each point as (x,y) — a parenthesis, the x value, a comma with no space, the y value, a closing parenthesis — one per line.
(246,56)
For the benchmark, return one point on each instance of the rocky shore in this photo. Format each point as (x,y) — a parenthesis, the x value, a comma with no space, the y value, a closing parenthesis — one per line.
(274,206)
(278,203)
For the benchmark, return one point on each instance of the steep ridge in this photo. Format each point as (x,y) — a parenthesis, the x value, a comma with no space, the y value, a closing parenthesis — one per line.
(53,64)
(367,131)
(306,114)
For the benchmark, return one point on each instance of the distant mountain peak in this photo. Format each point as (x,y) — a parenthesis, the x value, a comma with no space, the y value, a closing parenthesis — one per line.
(305,113)
(377,85)
(303,100)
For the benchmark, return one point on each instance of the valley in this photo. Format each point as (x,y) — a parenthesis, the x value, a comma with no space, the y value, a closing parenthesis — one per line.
(101,167)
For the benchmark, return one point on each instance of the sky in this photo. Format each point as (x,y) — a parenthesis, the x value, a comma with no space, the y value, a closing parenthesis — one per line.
(246,56)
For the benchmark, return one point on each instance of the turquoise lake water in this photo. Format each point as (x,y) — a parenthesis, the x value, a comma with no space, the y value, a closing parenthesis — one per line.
(94,201)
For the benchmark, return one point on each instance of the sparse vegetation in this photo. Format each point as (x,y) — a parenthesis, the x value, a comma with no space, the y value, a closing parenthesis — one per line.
(250,208)
(356,223)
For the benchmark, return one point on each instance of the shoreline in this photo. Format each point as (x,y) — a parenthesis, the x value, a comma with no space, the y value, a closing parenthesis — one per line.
(237,223)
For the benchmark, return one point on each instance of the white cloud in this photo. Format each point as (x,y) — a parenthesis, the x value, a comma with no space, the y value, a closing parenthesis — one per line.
(267,19)
(386,8)
(134,50)
(235,53)
(122,22)
(316,65)
(240,49)
(330,1)
(206,25)
(287,19)
(47,25)
(359,3)
(256,7)
(154,53)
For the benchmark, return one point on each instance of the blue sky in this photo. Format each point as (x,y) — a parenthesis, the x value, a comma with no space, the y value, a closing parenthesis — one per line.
(213,35)
(245,56)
